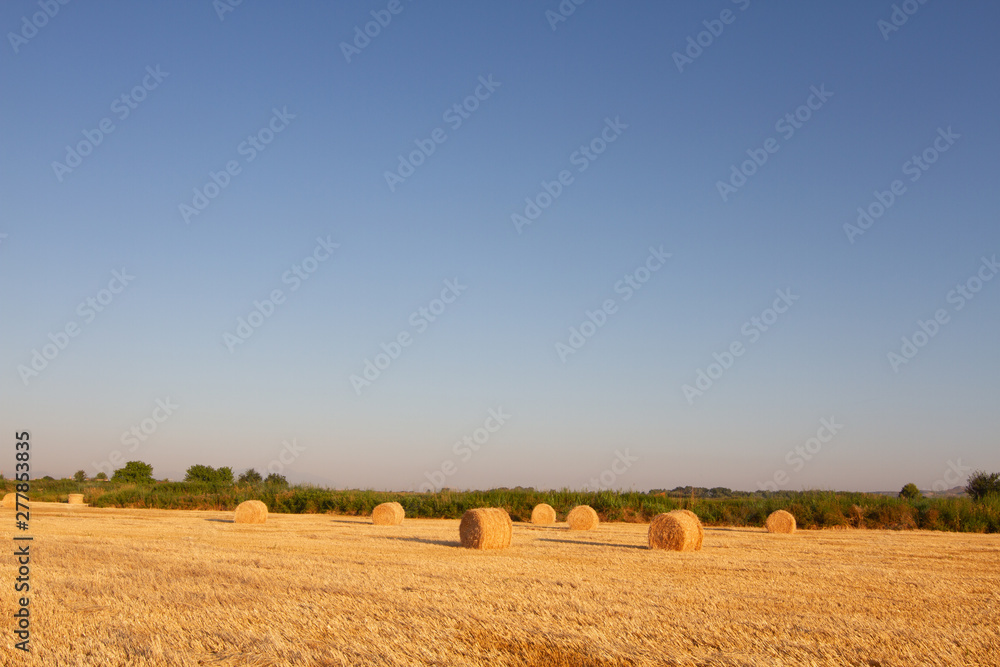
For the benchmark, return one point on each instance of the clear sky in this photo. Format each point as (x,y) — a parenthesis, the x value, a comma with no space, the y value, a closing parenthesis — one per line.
(593,211)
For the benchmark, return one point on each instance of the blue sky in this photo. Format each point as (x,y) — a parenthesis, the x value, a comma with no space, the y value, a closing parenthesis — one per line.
(614,412)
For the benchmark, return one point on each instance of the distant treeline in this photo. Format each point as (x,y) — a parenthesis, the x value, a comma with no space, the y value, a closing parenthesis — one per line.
(812,509)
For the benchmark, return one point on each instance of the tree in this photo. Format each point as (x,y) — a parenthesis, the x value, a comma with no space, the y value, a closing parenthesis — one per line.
(910,491)
(134,471)
(251,476)
(209,475)
(982,484)
(79,476)
(101,476)
(274,479)
(200,473)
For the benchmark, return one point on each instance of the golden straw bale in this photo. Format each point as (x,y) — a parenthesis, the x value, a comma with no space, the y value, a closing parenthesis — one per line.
(388,514)
(75,499)
(679,530)
(251,511)
(486,528)
(543,514)
(9,500)
(582,517)
(701,530)
(780,521)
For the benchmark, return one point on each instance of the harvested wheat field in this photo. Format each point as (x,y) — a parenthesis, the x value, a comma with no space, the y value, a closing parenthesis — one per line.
(155,587)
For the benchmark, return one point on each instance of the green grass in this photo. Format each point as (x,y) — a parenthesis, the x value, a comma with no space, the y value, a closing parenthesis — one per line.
(812,509)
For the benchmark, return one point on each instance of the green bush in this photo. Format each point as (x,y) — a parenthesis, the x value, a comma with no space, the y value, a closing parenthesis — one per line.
(812,509)
(251,476)
(981,485)
(209,475)
(134,471)
(274,479)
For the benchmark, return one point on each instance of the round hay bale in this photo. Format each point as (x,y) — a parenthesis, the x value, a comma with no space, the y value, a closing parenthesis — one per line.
(9,500)
(701,529)
(780,521)
(582,517)
(75,499)
(251,511)
(679,530)
(486,528)
(388,514)
(543,514)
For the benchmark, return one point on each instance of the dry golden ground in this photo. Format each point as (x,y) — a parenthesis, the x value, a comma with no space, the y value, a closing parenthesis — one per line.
(155,587)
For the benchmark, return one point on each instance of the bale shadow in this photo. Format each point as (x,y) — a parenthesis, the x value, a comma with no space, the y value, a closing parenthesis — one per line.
(739,529)
(424,540)
(222,520)
(596,544)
